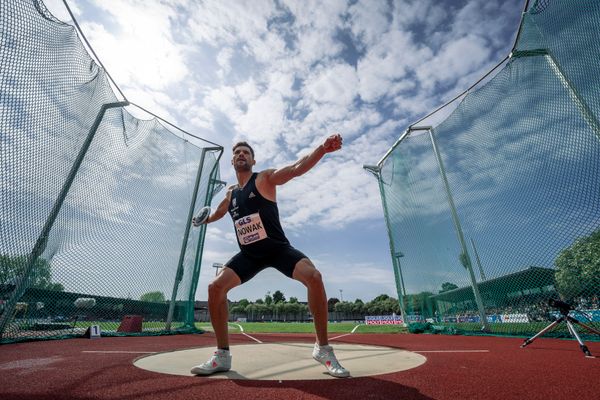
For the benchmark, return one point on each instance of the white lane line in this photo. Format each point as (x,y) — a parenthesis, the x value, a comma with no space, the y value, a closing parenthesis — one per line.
(450,351)
(347,334)
(253,338)
(337,337)
(118,352)
(245,334)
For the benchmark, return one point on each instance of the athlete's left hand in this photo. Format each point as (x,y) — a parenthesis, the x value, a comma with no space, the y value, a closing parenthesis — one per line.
(333,143)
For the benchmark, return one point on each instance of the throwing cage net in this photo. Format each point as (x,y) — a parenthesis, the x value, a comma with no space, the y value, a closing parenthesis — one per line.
(95,204)
(496,209)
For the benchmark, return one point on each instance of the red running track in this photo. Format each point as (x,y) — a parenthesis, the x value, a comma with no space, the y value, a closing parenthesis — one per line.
(546,369)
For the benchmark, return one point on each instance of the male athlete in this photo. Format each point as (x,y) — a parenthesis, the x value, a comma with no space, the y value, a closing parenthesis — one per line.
(253,208)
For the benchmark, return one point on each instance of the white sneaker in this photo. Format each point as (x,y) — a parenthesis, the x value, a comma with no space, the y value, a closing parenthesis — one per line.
(324,355)
(220,361)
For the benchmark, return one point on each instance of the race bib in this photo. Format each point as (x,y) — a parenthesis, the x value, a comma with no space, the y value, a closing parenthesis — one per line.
(250,229)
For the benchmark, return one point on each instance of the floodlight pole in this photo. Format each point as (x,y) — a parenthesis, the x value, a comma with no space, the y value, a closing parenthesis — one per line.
(42,240)
(217,267)
(459,232)
(376,171)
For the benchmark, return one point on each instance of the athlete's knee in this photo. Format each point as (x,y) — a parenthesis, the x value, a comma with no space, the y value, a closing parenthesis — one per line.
(216,289)
(314,278)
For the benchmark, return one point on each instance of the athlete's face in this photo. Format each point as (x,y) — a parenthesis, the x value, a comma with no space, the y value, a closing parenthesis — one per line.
(242,160)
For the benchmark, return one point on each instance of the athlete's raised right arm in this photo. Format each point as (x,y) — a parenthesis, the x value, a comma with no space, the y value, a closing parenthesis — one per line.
(221,210)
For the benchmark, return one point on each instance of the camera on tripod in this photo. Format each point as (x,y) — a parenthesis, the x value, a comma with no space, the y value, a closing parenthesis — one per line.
(561,305)
(570,321)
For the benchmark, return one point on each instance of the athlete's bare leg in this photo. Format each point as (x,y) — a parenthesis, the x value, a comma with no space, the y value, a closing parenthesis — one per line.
(306,273)
(217,304)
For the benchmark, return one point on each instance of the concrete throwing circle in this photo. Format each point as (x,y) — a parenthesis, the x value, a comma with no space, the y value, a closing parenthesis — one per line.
(285,361)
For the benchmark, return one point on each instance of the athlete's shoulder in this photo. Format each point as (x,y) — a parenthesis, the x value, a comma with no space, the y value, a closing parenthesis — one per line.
(230,190)
(266,173)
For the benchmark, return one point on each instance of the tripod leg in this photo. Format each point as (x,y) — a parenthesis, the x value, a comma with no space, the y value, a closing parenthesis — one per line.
(540,333)
(589,328)
(582,345)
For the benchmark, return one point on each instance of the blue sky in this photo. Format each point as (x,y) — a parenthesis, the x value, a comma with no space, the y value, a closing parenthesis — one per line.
(285,74)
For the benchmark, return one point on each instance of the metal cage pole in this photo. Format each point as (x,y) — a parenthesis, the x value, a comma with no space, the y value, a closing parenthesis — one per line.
(186,234)
(42,241)
(481,273)
(376,171)
(587,114)
(200,246)
(459,231)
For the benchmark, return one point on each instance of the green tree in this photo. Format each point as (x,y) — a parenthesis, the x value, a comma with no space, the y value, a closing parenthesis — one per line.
(244,303)
(268,299)
(358,307)
(153,297)
(278,297)
(292,308)
(374,308)
(237,309)
(447,286)
(262,310)
(331,303)
(578,267)
(293,299)
(279,311)
(12,268)
(381,297)
(257,311)
(421,303)
(390,306)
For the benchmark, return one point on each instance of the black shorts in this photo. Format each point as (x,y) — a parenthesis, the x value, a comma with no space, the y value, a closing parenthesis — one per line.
(283,259)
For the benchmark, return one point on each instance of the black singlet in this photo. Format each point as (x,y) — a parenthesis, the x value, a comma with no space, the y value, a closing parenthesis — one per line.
(256,221)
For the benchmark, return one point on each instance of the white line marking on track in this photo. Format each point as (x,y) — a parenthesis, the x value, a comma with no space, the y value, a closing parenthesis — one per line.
(347,334)
(118,351)
(450,351)
(245,334)
(337,337)
(253,338)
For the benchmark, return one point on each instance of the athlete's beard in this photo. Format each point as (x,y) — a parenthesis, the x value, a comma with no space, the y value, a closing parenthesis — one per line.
(239,167)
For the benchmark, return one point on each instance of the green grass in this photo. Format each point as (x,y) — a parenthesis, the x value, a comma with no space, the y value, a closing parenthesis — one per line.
(305,327)
(113,326)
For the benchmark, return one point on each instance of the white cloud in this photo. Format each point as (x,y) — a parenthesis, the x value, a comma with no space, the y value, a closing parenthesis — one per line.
(141,51)
(224,99)
(224,61)
(247,91)
(216,23)
(369,20)
(387,63)
(315,26)
(264,119)
(332,84)
(455,60)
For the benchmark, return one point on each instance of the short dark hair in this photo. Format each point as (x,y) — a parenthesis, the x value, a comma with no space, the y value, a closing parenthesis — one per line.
(245,144)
